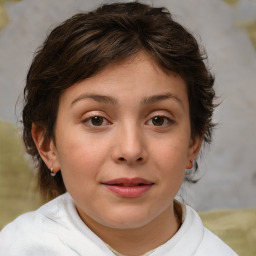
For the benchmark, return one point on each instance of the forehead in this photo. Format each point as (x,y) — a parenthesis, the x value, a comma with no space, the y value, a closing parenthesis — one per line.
(137,77)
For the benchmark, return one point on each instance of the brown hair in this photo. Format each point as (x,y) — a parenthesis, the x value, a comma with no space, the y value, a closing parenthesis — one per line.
(87,43)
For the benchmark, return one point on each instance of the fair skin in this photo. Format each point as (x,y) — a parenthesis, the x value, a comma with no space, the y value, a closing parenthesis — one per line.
(130,121)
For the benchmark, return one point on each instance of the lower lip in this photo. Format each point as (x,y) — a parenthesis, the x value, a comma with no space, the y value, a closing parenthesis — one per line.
(128,192)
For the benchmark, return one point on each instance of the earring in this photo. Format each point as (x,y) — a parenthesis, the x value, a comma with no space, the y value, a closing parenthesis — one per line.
(190,165)
(52,172)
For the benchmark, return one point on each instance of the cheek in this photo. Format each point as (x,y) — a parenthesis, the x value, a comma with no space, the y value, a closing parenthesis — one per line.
(81,155)
(172,153)
(171,159)
(80,167)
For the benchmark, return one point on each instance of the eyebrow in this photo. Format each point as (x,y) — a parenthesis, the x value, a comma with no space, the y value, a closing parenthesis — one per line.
(113,101)
(155,98)
(96,97)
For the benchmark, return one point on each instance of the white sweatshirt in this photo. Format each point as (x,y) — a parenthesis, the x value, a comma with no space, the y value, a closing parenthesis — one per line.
(56,229)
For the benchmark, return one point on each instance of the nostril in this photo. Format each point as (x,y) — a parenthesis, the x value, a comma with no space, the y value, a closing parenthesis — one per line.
(122,159)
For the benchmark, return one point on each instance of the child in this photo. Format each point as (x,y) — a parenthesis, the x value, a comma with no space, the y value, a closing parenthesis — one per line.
(117,104)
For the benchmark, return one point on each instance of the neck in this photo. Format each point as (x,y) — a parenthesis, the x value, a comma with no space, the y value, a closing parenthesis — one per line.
(137,241)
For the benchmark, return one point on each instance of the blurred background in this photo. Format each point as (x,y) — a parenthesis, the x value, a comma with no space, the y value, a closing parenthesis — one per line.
(226,28)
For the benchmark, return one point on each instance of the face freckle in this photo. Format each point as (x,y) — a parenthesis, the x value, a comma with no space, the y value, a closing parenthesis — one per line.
(101,163)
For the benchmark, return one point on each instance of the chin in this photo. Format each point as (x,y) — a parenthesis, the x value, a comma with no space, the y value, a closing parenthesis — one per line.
(127,220)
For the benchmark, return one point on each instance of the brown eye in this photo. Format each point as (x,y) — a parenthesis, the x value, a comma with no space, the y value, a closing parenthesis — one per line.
(97,120)
(158,120)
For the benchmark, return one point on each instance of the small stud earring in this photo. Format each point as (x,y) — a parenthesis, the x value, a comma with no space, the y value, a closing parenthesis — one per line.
(190,165)
(52,172)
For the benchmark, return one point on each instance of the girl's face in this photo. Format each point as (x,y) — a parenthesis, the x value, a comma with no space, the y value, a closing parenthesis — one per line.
(123,143)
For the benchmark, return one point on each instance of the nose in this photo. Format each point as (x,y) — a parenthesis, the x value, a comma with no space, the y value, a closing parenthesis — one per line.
(130,146)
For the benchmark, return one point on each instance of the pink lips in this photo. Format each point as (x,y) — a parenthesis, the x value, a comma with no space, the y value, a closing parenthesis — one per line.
(128,188)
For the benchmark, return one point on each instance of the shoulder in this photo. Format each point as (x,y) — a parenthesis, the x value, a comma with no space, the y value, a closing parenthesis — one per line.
(209,244)
(54,229)
(17,236)
(213,245)
(193,239)
(29,232)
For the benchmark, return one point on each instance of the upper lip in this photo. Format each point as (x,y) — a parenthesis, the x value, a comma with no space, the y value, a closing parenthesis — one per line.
(128,182)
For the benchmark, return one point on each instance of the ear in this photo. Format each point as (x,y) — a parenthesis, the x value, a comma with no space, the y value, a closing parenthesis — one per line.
(46,148)
(193,151)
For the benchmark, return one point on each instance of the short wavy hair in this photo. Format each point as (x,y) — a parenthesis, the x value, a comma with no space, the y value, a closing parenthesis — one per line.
(85,44)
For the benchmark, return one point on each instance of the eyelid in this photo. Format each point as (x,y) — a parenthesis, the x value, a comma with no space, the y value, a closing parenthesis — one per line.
(162,113)
(165,113)
(89,117)
(169,121)
(92,113)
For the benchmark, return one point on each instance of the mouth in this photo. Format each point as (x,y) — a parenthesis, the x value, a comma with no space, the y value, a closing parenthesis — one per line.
(128,188)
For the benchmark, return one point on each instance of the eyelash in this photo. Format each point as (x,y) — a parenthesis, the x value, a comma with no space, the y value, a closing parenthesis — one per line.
(104,120)
(87,120)
(166,120)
